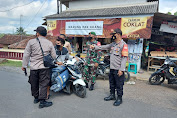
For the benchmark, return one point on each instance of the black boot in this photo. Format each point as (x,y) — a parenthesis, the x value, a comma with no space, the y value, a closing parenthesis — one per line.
(91,87)
(110,97)
(118,101)
(44,103)
(86,85)
(36,100)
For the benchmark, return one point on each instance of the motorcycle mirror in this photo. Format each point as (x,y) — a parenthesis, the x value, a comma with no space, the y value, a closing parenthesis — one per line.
(78,55)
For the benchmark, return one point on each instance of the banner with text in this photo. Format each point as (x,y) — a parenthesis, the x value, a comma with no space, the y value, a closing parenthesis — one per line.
(133,27)
(168,27)
(84,27)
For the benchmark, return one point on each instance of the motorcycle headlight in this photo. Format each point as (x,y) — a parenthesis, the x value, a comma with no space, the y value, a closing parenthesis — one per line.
(166,62)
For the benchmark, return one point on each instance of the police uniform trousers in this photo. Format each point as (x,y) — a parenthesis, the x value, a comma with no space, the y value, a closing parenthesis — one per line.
(116,82)
(39,80)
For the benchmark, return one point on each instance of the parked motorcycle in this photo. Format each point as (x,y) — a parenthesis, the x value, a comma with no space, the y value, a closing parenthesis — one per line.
(103,68)
(68,78)
(167,71)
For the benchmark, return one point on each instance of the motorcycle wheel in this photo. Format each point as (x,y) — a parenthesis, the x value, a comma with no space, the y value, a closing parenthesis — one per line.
(80,90)
(127,76)
(156,79)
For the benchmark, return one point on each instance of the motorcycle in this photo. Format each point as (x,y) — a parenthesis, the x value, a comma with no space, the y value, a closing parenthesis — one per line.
(167,71)
(67,78)
(103,68)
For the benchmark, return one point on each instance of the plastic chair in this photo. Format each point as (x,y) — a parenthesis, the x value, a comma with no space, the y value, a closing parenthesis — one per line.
(134,69)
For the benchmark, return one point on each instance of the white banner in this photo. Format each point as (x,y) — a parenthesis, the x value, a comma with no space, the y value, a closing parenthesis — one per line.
(84,27)
(169,27)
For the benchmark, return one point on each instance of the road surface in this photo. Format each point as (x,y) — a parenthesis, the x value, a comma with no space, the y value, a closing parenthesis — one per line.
(140,101)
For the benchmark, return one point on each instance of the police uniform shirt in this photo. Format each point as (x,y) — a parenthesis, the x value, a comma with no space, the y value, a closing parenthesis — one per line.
(117,61)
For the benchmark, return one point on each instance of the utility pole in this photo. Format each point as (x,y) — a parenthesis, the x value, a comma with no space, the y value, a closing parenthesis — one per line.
(60,6)
(158,6)
(57,6)
(21,27)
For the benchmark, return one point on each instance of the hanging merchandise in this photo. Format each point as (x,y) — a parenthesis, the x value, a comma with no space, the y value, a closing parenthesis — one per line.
(135,49)
(147,50)
(130,56)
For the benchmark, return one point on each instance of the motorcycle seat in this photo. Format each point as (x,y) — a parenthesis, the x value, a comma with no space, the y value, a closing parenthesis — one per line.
(59,69)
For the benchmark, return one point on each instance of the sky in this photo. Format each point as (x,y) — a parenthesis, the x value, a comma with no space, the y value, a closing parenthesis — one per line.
(33,11)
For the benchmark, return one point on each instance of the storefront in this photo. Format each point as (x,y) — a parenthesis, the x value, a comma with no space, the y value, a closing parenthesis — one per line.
(135,29)
(163,40)
(135,21)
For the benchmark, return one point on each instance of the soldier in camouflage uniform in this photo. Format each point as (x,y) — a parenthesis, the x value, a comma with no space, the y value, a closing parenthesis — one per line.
(92,60)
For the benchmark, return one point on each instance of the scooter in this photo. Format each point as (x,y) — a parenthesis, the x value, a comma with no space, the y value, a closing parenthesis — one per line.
(68,78)
(167,71)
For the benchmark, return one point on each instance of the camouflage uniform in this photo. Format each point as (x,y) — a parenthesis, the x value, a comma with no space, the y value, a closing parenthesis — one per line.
(92,58)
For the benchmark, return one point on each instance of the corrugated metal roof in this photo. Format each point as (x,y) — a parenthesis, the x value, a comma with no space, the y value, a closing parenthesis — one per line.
(138,9)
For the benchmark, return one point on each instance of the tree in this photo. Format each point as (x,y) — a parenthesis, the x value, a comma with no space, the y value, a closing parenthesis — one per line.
(175,13)
(20,31)
(169,13)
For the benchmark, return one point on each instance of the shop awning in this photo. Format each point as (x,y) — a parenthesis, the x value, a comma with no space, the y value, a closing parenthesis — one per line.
(161,17)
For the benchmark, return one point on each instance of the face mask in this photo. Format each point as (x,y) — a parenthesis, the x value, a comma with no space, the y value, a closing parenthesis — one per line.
(58,46)
(113,38)
(89,38)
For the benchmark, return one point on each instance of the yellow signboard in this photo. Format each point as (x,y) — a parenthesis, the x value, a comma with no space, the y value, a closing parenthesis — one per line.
(51,25)
(129,25)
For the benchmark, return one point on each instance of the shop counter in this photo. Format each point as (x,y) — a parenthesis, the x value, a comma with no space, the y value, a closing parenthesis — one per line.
(156,62)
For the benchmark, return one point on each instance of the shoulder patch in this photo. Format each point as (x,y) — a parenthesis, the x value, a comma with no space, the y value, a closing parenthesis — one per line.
(125,50)
(98,44)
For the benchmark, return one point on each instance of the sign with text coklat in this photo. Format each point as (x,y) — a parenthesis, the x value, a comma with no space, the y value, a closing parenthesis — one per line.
(132,27)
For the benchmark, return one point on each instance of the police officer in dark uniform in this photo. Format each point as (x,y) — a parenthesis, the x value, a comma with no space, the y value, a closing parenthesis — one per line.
(117,66)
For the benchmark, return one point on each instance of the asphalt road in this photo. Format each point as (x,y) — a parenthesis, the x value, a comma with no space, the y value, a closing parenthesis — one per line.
(140,101)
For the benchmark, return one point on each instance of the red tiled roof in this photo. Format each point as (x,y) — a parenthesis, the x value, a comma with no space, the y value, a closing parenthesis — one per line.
(8,39)
(1,46)
(22,44)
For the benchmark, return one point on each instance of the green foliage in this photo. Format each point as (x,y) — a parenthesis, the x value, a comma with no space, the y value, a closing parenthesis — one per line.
(175,13)
(20,31)
(169,13)
(12,63)
(1,35)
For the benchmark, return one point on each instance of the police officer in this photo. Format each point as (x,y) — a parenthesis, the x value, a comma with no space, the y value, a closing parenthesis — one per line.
(117,66)
(39,74)
(92,61)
